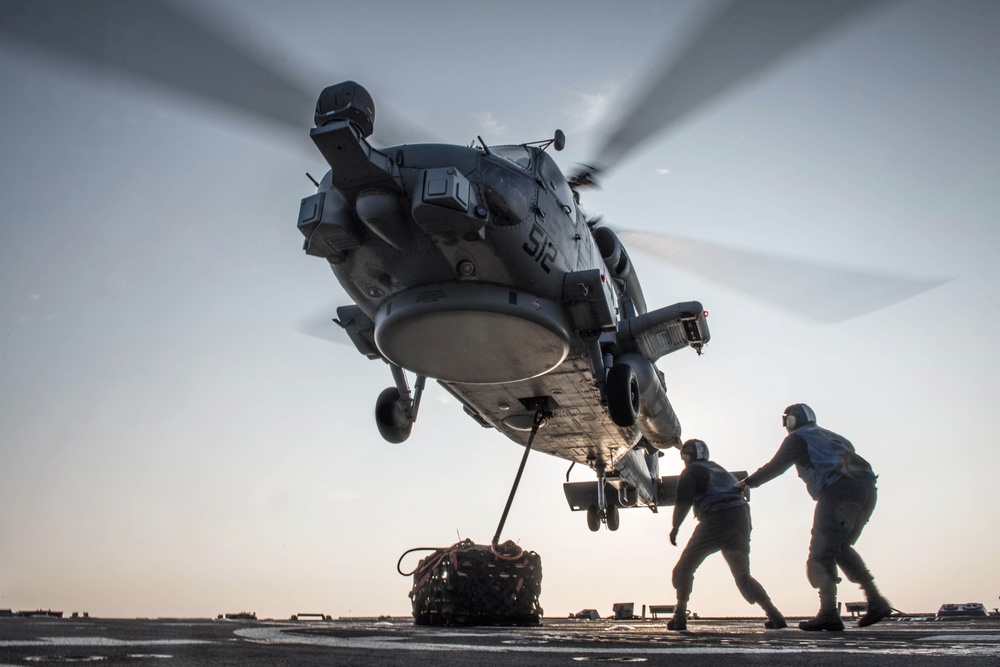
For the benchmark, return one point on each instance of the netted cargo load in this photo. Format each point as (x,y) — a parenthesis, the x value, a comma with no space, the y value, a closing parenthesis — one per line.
(474,584)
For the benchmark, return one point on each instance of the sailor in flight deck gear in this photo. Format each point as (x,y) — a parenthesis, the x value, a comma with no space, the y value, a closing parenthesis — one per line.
(843,486)
(723,525)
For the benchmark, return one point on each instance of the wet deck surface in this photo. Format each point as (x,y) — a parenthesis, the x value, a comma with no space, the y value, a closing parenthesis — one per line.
(555,642)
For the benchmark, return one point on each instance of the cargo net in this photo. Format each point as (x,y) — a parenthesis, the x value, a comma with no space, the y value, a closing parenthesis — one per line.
(474,584)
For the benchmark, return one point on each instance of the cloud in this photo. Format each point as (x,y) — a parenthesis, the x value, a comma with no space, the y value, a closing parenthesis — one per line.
(663,171)
(590,108)
(488,123)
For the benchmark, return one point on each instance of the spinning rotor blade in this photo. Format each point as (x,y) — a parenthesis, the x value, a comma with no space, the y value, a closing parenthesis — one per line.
(319,324)
(156,42)
(740,41)
(817,291)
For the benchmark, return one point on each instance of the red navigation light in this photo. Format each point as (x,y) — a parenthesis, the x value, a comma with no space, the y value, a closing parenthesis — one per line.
(704,313)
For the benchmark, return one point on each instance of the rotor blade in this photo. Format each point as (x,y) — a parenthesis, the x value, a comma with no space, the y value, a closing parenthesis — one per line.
(156,42)
(740,41)
(320,324)
(815,290)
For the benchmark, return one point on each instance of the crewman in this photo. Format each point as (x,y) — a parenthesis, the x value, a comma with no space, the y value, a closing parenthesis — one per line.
(843,486)
(723,515)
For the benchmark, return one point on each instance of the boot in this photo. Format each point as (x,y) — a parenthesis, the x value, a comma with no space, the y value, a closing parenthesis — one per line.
(679,620)
(775,621)
(828,617)
(824,620)
(878,607)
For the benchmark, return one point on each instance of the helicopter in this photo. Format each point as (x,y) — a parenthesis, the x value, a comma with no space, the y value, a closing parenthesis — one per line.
(475,266)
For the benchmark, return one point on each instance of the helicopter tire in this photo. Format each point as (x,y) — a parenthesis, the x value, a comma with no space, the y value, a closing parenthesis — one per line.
(593,519)
(393,424)
(612,518)
(623,395)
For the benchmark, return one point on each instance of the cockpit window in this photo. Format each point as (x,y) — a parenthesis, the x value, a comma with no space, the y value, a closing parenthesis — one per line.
(510,192)
(519,155)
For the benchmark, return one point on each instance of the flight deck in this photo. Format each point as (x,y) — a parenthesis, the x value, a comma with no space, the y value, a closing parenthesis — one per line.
(398,641)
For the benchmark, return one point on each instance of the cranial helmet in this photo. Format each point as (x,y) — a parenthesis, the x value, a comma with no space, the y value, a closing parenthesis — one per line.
(797,416)
(694,449)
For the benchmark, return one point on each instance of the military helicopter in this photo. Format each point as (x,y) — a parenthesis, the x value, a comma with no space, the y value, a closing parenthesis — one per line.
(475,265)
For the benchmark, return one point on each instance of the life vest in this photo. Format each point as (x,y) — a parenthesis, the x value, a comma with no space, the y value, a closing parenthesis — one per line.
(720,492)
(831,456)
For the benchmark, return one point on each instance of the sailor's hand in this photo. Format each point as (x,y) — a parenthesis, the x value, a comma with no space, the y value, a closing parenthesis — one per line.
(673,536)
(741,485)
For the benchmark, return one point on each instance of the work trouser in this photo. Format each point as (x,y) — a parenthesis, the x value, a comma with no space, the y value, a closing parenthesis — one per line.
(726,530)
(842,511)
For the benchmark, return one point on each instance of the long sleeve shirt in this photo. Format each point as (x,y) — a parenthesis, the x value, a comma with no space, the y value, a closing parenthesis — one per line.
(693,480)
(793,450)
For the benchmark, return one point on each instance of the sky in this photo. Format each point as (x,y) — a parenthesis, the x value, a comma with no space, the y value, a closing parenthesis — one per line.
(173,444)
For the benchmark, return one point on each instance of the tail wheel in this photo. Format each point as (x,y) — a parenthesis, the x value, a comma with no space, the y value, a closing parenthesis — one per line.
(393,423)
(623,395)
(612,518)
(593,518)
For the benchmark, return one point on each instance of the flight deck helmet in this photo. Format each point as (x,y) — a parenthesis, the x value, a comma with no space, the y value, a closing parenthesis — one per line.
(797,416)
(694,450)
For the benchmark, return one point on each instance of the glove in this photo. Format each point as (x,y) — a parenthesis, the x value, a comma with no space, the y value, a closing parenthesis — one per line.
(673,536)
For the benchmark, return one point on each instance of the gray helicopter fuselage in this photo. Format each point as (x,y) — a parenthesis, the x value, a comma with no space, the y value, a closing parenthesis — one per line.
(476,268)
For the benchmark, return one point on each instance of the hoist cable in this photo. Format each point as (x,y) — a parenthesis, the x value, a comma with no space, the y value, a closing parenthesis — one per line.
(540,416)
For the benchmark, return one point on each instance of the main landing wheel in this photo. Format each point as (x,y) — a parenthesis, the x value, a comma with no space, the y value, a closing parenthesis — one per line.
(623,395)
(593,518)
(393,423)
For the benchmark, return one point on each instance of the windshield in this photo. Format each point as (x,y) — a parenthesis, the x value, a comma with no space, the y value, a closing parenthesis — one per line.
(519,155)
(510,192)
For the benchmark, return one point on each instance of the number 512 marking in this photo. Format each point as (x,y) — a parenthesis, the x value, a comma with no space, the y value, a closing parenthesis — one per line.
(540,247)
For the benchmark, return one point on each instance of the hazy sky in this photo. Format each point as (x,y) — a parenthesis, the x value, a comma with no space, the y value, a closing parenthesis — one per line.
(172,444)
